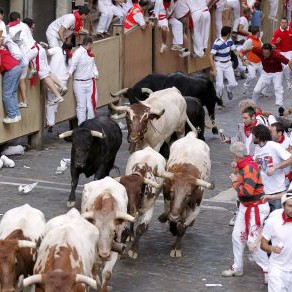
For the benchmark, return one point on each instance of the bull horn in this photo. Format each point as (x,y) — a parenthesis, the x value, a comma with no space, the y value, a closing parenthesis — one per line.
(118,117)
(88,215)
(94,284)
(66,134)
(165,174)
(157,112)
(97,134)
(118,93)
(35,279)
(125,216)
(119,108)
(152,183)
(26,244)
(204,184)
(146,90)
(118,178)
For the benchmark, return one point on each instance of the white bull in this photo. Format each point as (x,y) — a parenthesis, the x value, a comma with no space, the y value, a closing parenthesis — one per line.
(104,203)
(67,255)
(152,122)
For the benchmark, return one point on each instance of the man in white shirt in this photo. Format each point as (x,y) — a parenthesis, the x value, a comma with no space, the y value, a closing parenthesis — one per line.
(85,74)
(272,159)
(61,30)
(2,23)
(277,240)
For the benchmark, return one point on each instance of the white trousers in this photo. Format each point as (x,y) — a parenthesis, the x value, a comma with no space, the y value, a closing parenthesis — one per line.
(264,80)
(51,110)
(240,238)
(177,31)
(279,280)
(273,9)
(235,6)
(106,10)
(253,70)
(84,108)
(224,70)
(218,20)
(286,68)
(200,36)
(289,10)
(53,39)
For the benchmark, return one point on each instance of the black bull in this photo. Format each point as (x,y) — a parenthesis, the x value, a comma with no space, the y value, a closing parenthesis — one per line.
(90,154)
(197,85)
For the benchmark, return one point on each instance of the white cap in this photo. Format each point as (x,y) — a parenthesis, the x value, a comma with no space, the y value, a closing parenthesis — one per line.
(286,197)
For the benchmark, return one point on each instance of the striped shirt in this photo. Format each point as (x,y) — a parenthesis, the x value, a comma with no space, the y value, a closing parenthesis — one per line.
(221,49)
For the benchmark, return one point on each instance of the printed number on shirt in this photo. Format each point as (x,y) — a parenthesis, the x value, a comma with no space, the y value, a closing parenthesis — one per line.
(265,162)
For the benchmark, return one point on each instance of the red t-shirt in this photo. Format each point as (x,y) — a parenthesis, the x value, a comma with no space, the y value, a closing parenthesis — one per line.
(285,44)
(273,63)
(7,61)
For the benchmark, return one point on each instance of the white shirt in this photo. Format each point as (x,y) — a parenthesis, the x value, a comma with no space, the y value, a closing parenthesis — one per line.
(195,5)
(159,8)
(279,234)
(83,66)
(180,9)
(3,28)
(67,21)
(267,156)
(139,18)
(58,64)
(221,3)
(244,22)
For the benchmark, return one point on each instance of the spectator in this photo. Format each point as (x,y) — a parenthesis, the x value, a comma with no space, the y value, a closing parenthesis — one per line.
(59,64)
(272,159)
(282,42)
(2,23)
(277,240)
(221,65)
(257,17)
(220,5)
(61,29)
(273,10)
(272,71)
(252,211)
(288,4)
(85,74)
(11,70)
(235,6)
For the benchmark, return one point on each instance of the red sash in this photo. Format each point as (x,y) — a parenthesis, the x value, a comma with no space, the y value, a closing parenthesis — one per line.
(78,22)
(247,215)
(34,79)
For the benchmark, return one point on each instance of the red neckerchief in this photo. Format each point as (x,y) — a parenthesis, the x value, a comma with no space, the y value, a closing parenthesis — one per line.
(34,79)
(68,53)
(78,22)
(247,129)
(166,5)
(281,139)
(90,54)
(13,23)
(247,161)
(285,218)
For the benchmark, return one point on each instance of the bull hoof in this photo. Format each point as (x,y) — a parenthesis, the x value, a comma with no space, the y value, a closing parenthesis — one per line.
(71,204)
(175,253)
(130,238)
(215,131)
(132,254)
(162,218)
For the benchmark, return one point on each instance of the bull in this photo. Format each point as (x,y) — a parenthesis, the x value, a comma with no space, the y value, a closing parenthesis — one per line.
(95,144)
(198,85)
(104,203)
(186,173)
(66,257)
(153,121)
(143,189)
(21,229)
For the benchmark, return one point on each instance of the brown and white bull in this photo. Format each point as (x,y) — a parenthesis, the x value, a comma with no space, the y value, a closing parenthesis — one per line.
(104,203)
(143,189)
(20,230)
(153,121)
(66,257)
(188,170)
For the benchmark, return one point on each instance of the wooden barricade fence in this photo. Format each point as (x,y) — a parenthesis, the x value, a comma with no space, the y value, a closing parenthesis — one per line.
(122,60)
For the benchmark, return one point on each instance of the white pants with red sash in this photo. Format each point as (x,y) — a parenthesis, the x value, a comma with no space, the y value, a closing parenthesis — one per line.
(279,280)
(83,91)
(240,237)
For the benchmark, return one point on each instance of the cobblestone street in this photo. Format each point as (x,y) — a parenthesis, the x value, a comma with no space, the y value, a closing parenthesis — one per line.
(206,247)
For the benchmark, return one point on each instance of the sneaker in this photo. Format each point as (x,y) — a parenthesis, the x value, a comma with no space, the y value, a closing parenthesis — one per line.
(231,272)
(184,54)
(230,95)
(1,163)
(266,278)
(279,103)
(177,48)
(63,90)
(32,73)
(281,111)
(19,118)
(56,100)
(23,104)
(232,220)
(7,162)
(163,48)
(8,120)
(50,129)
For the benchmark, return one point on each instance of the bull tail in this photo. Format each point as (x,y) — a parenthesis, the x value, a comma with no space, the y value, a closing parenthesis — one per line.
(192,126)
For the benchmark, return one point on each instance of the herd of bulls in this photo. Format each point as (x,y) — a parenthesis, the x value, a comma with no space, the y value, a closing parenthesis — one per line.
(71,251)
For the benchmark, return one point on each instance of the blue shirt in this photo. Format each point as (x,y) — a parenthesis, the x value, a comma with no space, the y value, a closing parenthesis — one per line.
(256,19)
(221,49)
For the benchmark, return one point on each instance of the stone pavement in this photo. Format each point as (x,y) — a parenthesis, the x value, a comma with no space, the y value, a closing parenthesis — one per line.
(206,249)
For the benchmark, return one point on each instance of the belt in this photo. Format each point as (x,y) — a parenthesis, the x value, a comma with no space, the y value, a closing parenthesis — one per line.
(247,215)
(83,79)
(223,61)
